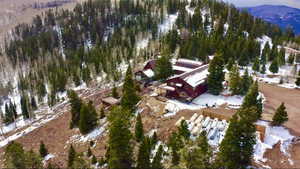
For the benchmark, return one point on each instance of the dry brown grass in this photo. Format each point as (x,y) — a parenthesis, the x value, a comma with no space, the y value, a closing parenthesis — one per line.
(274,97)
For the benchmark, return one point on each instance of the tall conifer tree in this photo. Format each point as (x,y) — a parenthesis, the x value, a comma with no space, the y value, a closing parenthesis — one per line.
(119,143)
(163,68)
(216,75)
(76,104)
(236,148)
(43,150)
(130,97)
(139,130)
(274,66)
(71,156)
(280,116)
(252,100)
(143,159)
(157,160)
(298,79)
(235,80)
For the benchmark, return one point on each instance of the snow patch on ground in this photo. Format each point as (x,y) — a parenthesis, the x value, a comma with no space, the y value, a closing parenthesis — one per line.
(190,10)
(32,127)
(214,101)
(15,98)
(93,135)
(264,40)
(273,135)
(226,26)
(48,157)
(203,101)
(80,87)
(20,122)
(285,73)
(168,24)
(142,44)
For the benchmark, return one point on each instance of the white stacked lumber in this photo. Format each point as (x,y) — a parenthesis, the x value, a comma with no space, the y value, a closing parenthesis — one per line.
(214,123)
(193,118)
(195,130)
(220,126)
(191,126)
(199,119)
(206,121)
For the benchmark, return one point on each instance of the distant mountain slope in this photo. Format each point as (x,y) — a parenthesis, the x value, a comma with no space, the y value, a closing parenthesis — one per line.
(280,15)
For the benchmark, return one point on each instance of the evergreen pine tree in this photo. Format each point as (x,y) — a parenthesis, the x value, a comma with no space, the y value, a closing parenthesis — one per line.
(119,142)
(246,82)
(175,144)
(280,116)
(16,157)
(79,162)
(263,69)
(71,156)
(76,104)
(129,98)
(24,106)
(230,64)
(102,113)
(9,114)
(157,160)
(88,118)
(198,156)
(154,138)
(43,150)
(143,159)
(139,130)
(235,80)
(274,66)
(183,130)
(94,160)
(291,59)
(236,148)
(298,79)
(281,57)
(33,103)
(115,93)
(13,108)
(33,160)
(163,68)
(255,65)
(263,57)
(89,152)
(216,75)
(252,100)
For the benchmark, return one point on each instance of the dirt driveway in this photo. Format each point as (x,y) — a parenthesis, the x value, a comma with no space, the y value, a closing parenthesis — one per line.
(275,96)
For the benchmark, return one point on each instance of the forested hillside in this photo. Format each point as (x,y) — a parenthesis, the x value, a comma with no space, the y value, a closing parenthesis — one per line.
(65,47)
(97,40)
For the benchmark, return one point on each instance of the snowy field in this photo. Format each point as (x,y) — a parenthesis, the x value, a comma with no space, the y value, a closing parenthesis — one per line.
(209,100)
(203,101)
(283,73)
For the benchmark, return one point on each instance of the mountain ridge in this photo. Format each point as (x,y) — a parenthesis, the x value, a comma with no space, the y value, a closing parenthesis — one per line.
(281,15)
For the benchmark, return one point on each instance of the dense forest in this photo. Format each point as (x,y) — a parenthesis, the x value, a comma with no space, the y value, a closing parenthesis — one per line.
(63,49)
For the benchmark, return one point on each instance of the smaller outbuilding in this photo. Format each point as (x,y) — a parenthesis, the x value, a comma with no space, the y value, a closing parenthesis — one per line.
(110,101)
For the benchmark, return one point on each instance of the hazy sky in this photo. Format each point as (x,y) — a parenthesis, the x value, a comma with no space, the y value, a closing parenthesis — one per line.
(243,3)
